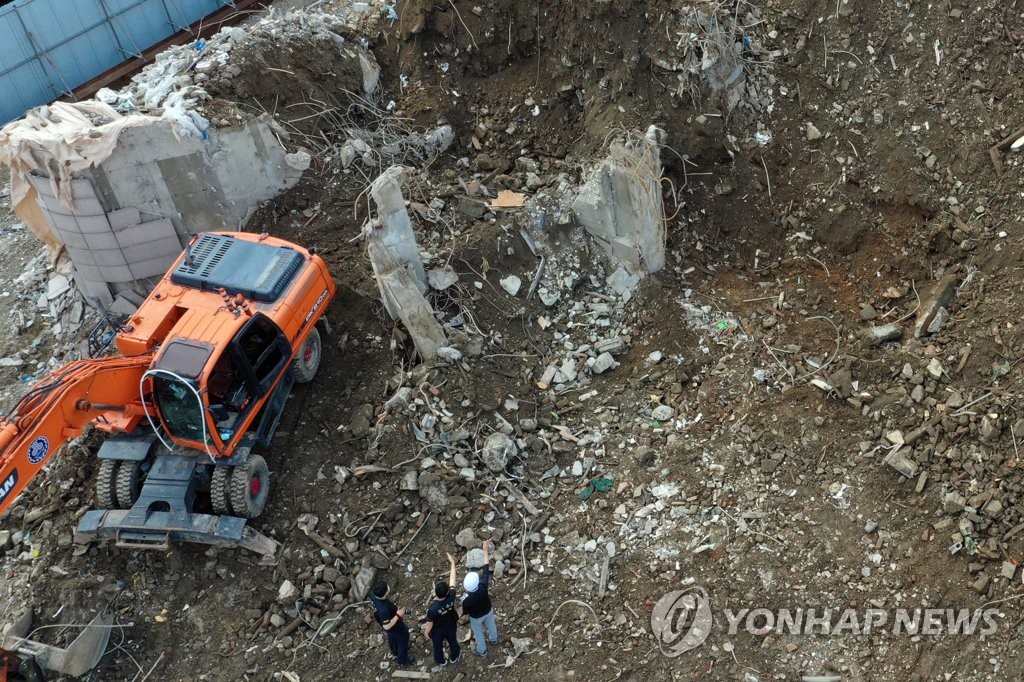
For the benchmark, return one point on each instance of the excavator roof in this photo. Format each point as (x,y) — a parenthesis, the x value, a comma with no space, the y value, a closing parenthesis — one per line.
(258,271)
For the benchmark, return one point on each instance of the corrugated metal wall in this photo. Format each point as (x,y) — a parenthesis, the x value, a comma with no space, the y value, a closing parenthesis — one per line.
(49,47)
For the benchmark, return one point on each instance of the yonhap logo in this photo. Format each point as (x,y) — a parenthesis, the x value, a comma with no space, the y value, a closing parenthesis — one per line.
(681,620)
(38,450)
(8,485)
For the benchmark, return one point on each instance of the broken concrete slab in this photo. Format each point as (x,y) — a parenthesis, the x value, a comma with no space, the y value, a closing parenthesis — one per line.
(403,300)
(934,307)
(393,228)
(621,204)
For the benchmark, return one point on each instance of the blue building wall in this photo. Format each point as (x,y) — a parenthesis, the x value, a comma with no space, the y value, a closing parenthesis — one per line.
(49,47)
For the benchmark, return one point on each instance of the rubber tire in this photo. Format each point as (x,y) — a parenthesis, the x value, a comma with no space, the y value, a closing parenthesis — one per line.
(244,502)
(220,496)
(129,483)
(106,484)
(304,370)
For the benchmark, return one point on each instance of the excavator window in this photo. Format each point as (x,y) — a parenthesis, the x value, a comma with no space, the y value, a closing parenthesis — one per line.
(180,408)
(263,349)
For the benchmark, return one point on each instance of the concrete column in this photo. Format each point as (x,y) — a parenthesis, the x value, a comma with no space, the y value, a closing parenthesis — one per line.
(402,294)
(395,227)
(621,205)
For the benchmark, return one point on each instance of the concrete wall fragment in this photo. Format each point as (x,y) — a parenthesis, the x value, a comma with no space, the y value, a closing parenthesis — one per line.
(394,229)
(621,205)
(123,193)
(403,295)
(395,258)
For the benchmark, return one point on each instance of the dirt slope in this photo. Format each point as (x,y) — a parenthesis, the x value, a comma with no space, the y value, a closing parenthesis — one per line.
(850,174)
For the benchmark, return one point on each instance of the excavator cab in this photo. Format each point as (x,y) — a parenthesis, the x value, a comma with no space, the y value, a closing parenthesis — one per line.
(205,398)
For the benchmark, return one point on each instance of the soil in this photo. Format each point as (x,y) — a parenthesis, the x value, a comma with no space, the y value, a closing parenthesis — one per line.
(855,171)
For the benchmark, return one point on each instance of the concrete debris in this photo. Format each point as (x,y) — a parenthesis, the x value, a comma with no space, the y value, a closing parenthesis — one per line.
(511,284)
(498,449)
(287,592)
(449,354)
(621,204)
(177,81)
(933,311)
(362,582)
(442,278)
(714,48)
(395,227)
(394,256)
(299,160)
(901,463)
(623,283)
(602,363)
(61,161)
(882,333)
(662,413)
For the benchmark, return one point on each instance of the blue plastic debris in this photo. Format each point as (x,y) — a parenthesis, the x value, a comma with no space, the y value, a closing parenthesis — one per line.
(392,14)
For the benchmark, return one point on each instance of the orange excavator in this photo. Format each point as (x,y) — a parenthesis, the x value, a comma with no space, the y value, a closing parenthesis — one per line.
(204,369)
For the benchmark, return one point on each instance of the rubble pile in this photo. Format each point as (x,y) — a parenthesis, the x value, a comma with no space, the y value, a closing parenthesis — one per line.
(810,406)
(43,297)
(715,48)
(183,81)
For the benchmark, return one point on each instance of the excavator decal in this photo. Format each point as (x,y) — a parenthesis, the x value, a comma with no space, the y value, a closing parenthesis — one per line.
(38,450)
(8,485)
(316,306)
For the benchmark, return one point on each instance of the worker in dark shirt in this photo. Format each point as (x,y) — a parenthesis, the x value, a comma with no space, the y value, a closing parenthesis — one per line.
(442,619)
(477,605)
(392,619)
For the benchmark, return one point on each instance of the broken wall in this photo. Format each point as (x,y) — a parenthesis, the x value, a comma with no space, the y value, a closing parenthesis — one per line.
(621,204)
(123,193)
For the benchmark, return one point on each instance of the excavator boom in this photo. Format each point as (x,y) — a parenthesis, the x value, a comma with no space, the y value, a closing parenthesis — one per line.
(57,408)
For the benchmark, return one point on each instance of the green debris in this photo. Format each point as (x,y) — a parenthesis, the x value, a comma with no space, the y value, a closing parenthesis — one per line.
(599,485)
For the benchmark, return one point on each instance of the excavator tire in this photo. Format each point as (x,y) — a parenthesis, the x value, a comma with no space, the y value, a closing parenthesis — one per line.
(220,496)
(250,487)
(129,483)
(307,360)
(106,484)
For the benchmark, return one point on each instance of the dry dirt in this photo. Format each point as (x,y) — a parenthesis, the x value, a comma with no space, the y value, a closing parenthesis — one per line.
(776,244)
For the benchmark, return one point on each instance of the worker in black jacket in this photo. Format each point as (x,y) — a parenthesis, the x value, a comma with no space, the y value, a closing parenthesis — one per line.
(392,619)
(442,620)
(477,605)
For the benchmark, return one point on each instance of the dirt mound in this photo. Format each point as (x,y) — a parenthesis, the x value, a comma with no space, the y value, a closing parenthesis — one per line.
(745,433)
(294,70)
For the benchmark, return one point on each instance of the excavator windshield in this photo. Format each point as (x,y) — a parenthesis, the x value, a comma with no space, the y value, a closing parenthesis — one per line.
(178,402)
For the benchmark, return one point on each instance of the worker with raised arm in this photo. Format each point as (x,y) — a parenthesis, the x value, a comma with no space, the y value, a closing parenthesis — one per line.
(442,619)
(392,619)
(477,605)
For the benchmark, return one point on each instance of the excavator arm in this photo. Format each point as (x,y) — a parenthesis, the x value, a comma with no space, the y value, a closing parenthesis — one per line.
(102,390)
